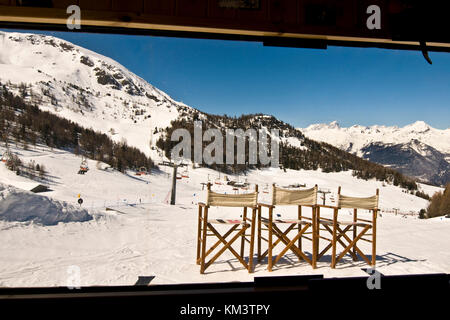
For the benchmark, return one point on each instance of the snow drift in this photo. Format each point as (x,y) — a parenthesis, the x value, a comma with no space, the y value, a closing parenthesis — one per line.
(24,206)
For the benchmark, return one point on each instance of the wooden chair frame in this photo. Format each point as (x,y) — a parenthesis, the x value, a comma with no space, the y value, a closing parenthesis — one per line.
(339,234)
(301,226)
(240,228)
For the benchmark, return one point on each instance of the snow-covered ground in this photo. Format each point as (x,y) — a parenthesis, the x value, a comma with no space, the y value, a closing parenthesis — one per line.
(142,235)
(25,206)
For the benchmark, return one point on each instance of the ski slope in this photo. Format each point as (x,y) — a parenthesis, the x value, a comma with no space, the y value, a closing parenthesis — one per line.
(141,235)
(124,106)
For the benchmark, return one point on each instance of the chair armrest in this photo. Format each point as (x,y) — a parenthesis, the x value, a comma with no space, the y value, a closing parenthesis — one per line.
(266,205)
(325,206)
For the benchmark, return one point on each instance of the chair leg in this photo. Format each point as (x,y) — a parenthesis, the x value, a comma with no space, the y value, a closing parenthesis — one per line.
(252,239)
(244,219)
(374,238)
(299,226)
(334,241)
(315,238)
(355,232)
(259,233)
(269,267)
(199,234)
(203,248)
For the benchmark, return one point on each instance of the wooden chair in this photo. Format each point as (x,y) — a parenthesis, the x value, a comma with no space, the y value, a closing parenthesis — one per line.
(339,229)
(286,197)
(239,226)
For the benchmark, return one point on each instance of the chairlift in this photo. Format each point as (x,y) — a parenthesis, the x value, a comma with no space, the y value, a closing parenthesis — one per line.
(83,166)
(7,155)
(82,170)
(185,173)
(142,171)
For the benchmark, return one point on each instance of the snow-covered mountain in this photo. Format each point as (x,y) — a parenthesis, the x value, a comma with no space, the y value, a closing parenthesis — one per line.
(86,87)
(96,92)
(92,90)
(417,149)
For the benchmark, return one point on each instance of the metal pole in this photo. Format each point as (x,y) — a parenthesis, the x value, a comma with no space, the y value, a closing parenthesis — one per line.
(323,194)
(174,185)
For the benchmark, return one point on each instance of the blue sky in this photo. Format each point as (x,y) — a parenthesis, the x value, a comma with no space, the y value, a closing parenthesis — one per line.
(300,86)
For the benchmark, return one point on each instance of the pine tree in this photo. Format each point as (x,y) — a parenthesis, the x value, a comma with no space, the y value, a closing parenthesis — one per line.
(434,207)
(444,207)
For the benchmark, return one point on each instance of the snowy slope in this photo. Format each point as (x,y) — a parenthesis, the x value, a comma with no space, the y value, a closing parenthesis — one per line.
(86,87)
(135,232)
(102,187)
(140,234)
(155,239)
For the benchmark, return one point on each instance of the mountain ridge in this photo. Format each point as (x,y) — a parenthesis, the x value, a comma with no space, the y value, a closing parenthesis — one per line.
(409,148)
(97,92)
(340,136)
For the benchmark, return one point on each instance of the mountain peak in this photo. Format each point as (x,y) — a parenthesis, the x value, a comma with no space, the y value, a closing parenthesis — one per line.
(418,126)
(321,126)
(334,125)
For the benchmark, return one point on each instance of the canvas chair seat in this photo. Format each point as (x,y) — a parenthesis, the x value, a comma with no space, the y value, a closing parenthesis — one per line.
(299,226)
(226,221)
(286,221)
(345,223)
(237,228)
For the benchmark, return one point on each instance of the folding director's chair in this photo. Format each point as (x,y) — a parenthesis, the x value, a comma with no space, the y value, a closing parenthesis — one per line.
(301,226)
(238,226)
(339,229)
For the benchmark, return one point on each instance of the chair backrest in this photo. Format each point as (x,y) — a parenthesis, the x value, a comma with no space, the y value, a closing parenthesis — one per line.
(368,203)
(232,200)
(283,197)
